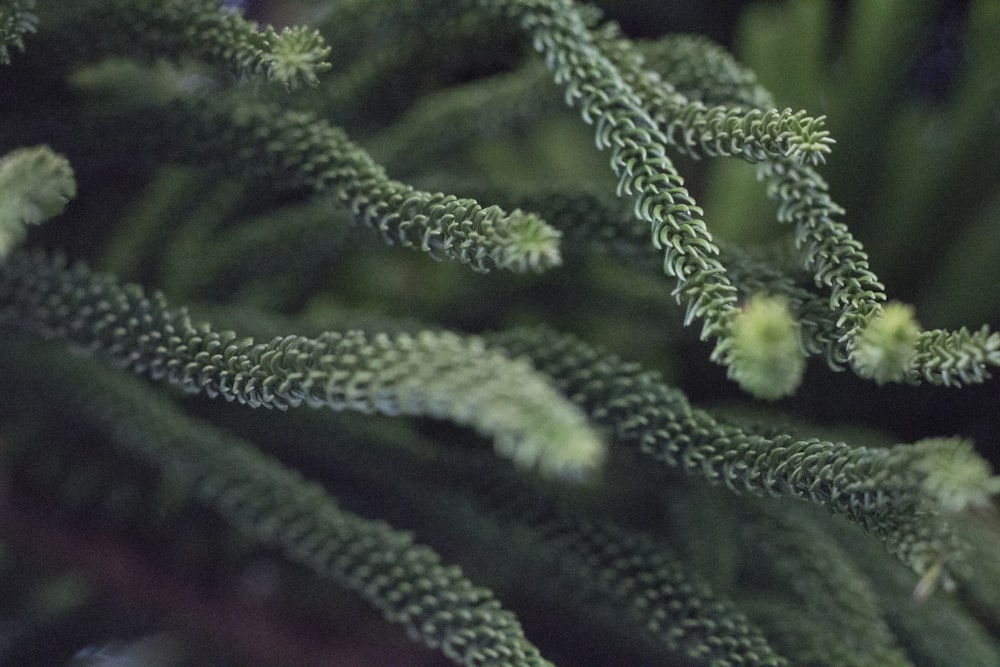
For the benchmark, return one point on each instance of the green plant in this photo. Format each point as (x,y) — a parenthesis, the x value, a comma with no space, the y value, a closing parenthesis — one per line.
(224,163)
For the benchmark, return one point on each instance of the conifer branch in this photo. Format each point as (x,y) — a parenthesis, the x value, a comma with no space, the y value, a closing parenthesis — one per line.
(829,250)
(698,130)
(590,218)
(595,85)
(406,581)
(200,29)
(954,358)
(885,349)
(35,185)
(765,271)
(954,475)
(764,354)
(883,490)
(296,149)
(299,150)
(431,374)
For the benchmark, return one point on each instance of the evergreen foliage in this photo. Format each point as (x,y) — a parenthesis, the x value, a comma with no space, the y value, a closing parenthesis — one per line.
(292,57)
(260,175)
(433,374)
(36,184)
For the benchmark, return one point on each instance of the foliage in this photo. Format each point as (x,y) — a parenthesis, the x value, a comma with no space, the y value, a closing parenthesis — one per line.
(483,467)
